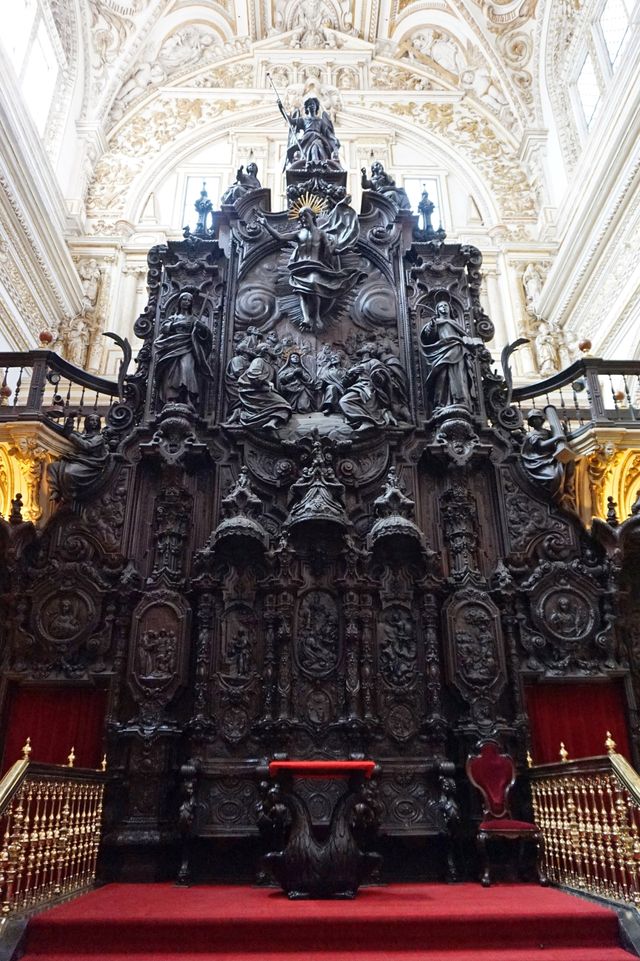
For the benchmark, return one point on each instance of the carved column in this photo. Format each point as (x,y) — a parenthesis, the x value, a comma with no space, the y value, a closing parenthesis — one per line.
(269,669)
(352,672)
(285,610)
(366,659)
(201,723)
(434,722)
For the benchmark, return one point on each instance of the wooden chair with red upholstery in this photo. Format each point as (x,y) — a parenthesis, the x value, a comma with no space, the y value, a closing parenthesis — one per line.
(494,774)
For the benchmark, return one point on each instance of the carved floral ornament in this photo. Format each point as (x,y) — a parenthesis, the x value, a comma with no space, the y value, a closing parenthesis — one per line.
(159,125)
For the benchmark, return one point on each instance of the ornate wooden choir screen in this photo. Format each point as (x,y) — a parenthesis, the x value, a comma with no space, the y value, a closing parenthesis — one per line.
(312,521)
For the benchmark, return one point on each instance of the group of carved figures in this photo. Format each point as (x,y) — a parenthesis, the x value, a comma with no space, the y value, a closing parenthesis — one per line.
(268,381)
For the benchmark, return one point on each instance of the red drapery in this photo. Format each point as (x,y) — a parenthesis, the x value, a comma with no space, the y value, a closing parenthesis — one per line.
(56,719)
(579,715)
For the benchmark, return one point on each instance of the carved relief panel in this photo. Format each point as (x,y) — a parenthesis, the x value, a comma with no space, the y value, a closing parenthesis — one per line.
(475,649)
(158,653)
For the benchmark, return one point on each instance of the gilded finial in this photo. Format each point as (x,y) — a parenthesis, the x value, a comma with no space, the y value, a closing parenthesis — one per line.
(610,744)
(26,750)
(564,754)
(103,764)
(72,757)
(529,759)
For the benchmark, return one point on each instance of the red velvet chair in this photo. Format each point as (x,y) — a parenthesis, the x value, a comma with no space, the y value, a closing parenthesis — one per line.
(494,774)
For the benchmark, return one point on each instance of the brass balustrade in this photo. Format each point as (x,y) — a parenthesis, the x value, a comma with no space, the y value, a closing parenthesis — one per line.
(589,813)
(50,822)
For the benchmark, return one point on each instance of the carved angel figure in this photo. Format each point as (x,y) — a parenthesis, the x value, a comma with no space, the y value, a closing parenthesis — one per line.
(74,475)
(546,458)
(312,139)
(315,273)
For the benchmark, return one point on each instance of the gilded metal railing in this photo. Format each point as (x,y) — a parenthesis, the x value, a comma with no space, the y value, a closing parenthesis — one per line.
(588,811)
(50,817)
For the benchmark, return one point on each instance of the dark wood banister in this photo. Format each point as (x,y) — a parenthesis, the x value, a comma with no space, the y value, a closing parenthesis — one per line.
(49,359)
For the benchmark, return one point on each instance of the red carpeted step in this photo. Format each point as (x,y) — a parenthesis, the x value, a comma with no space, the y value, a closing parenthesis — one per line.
(224,921)
(528,954)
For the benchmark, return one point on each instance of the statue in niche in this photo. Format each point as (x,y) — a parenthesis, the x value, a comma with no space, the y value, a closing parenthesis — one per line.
(260,405)
(74,475)
(312,139)
(239,653)
(547,459)
(182,355)
(369,387)
(331,375)
(447,348)
(297,384)
(532,281)
(315,273)
(382,183)
(244,184)
(546,349)
(77,340)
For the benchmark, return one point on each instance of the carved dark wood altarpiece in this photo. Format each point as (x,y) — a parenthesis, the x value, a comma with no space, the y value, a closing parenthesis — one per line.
(313,583)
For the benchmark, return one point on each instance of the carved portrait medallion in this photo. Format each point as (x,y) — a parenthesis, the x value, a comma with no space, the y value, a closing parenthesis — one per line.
(64,616)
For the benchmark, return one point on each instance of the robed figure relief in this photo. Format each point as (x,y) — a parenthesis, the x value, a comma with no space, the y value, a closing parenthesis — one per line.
(182,353)
(260,404)
(447,348)
(316,273)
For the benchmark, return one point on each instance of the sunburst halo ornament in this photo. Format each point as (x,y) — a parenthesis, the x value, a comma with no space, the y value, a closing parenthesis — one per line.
(317,204)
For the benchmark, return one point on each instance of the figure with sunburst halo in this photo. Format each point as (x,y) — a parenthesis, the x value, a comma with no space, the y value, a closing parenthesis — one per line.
(315,271)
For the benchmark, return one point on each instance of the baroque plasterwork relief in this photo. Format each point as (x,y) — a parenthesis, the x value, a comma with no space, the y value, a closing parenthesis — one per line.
(564,19)
(152,127)
(160,122)
(483,145)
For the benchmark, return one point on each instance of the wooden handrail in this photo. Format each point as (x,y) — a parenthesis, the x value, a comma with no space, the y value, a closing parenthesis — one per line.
(49,358)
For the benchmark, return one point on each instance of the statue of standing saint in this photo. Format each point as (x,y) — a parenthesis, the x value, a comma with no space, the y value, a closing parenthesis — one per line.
(447,348)
(182,355)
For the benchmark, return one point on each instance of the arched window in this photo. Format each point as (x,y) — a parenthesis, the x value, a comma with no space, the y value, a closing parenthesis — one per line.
(31,44)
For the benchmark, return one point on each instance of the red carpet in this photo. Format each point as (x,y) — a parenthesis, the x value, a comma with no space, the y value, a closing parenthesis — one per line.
(400,922)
